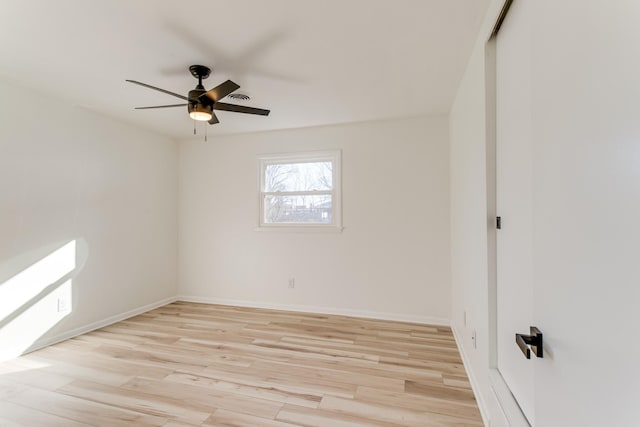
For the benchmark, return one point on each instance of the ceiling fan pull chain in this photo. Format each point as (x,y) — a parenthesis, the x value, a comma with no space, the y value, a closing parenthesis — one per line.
(205,133)
(194,127)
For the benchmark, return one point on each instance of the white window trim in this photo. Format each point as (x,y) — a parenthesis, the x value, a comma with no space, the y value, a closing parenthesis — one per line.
(335,156)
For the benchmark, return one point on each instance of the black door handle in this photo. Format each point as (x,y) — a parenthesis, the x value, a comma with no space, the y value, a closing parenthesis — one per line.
(530,342)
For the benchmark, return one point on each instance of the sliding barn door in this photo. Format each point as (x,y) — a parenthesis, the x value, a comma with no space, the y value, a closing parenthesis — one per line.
(514,203)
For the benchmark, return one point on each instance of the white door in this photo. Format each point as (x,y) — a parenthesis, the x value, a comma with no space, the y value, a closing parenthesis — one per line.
(514,203)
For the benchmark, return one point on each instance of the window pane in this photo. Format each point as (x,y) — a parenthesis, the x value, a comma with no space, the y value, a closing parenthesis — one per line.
(298,209)
(298,176)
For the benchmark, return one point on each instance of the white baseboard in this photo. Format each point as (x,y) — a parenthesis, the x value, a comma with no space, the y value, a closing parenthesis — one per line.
(482,404)
(44,342)
(426,320)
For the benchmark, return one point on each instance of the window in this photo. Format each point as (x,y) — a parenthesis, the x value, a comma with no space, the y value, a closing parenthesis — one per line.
(300,190)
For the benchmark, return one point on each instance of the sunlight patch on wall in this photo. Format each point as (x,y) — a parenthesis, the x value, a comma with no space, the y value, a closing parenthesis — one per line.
(35,300)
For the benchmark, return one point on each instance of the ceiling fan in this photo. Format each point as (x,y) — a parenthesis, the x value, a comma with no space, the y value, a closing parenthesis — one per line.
(202,103)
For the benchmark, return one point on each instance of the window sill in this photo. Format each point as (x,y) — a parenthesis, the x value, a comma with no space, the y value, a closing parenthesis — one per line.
(301,228)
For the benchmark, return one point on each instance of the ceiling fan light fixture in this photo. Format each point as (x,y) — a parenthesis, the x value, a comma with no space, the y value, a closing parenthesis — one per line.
(201,116)
(200,112)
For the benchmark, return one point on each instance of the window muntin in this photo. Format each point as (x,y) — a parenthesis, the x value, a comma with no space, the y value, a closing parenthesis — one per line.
(300,190)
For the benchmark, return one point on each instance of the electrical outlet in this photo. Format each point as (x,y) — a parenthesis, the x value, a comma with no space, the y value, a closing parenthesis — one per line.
(473,339)
(64,305)
(292,283)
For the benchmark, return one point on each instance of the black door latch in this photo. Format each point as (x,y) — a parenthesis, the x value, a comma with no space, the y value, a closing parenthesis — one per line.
(530,342)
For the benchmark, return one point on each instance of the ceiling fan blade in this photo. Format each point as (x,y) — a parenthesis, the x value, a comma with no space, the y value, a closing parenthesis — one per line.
(220,91)
(240,109)
(214,119)
(158,89)
(162,106)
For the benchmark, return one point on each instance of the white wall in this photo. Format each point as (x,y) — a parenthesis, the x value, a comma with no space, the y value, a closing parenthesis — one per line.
(392,258)
(72,175)
(586,182)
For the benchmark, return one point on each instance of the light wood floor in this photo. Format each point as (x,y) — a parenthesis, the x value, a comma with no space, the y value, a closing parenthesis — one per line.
(206,365)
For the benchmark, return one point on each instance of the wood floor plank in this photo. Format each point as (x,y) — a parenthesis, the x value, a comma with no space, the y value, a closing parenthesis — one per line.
(89,373)
(100,360)
(204,398)
(264,391)
(280,379)
(441,390)
(331,375)
(138,401)
(9,388)
(291,347)
(81,410)
(188,365)
(224,418)
(456,380)
(39,379)
(18,415)
(174,423)
(332,344)
(415,402)
(388,413)
(322,418)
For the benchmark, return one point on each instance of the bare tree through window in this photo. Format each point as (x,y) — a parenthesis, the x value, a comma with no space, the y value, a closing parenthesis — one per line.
(298,192)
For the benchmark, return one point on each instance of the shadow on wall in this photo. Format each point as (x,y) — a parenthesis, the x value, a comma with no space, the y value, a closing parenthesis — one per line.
(36,293)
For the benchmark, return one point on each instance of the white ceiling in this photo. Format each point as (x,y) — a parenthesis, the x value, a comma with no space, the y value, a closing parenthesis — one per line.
(311,62)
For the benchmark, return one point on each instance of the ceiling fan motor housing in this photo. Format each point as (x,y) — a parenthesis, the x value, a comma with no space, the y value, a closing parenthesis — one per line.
(199,104)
